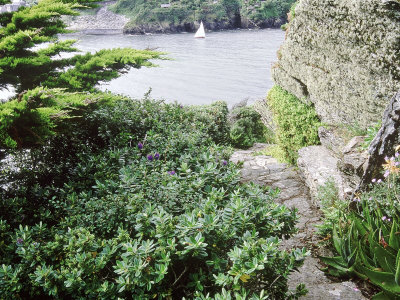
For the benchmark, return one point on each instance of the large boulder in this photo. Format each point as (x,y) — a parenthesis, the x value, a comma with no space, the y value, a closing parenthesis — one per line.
(344,57)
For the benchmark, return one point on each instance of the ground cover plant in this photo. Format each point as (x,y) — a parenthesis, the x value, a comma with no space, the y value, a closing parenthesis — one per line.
(296,122)
(138,199)
(366,237)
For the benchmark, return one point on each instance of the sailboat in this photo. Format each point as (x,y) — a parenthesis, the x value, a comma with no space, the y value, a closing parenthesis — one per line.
(200,32)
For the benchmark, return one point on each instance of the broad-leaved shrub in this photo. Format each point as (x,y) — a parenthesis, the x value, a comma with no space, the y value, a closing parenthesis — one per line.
(138,200)
(247,127)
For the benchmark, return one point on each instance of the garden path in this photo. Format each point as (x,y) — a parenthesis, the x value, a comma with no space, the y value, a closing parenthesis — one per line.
(266,170)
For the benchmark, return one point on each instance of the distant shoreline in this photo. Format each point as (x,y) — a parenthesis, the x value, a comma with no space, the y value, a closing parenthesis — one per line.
(120,31)
(105,21)
(192,27)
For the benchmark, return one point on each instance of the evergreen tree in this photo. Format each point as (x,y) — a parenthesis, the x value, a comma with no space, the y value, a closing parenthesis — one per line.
(25,67)
(30,61)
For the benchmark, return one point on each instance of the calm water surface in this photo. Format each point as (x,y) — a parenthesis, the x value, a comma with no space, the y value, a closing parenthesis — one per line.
(229,65)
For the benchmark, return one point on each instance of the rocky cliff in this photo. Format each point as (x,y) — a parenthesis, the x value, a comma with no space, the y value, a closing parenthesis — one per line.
(100,20)
(343,56)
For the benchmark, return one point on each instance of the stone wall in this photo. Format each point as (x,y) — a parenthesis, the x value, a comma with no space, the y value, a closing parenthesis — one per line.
(344,57)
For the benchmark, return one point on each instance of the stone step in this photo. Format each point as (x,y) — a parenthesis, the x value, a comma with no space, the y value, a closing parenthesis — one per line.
(266,170)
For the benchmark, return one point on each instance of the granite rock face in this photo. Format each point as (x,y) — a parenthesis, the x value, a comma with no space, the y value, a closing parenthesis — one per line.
(384,142)
(103,20)
(344,57)
(352,163)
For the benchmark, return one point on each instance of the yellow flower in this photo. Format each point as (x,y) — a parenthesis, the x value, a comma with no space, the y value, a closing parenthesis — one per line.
(357,197)
(391,166)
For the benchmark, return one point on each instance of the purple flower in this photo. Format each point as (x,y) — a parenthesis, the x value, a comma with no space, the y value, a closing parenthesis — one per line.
(181,106)
(370,198)
(157,156)
(379,180)
(150,157)
(397,154)
(384,218)
(374,180)
(171,173)
(20,241)
(386,173)
(224,162)
(140,146)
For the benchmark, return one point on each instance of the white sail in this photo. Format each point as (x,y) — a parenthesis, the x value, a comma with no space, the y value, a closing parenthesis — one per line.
(200,32)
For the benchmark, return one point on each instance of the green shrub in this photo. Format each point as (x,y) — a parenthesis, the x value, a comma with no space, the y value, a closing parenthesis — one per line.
(213,119)
(297,123)
(41,113)
(136,200)
(246,127)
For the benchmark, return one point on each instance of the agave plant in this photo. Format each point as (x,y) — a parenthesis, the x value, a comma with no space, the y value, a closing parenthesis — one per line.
(379,256)
(345,245)
(366,239)
(370,250)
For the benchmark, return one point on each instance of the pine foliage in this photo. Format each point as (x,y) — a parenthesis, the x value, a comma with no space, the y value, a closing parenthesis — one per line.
(40,113)
(23,66)
(32,60)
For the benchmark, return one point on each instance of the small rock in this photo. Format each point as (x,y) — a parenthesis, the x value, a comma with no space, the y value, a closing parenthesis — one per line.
(353,144)
(353,162)
(330,139)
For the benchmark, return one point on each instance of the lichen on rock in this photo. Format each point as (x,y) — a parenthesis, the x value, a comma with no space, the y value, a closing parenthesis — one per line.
(343,56)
